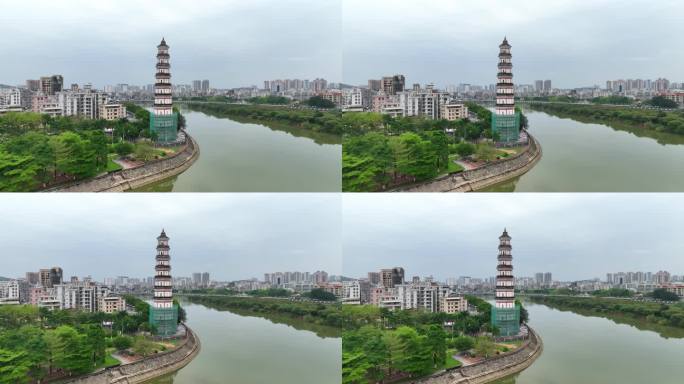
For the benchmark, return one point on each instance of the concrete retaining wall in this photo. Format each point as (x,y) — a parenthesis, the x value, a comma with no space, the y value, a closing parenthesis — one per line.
(150,172)
(148,368)
(485,176)
(493,369)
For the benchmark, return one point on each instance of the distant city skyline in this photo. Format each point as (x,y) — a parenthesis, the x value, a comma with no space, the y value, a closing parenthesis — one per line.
(574,236)
(231,43)
(444,42)
(232,236)
(572,43)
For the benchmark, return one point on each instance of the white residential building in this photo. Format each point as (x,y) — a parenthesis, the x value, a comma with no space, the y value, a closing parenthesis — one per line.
(351,292)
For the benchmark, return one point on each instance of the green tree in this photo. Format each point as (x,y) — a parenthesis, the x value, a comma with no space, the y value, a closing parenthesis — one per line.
(143,347)
(486,153)
(321,294)
(664,294)
(122,342)
(484,346)
(465,149)
(144,151)
(17,173)
(464,343)
(74,156)
(662,102)
(436,340)
(354,367)
(319,102)
(416,157)
(124,148)
(70,350)
(14,367)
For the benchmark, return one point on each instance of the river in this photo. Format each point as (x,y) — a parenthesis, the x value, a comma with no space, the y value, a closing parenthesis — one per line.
(240,349)
(246,157)
(586,157)
(586,349)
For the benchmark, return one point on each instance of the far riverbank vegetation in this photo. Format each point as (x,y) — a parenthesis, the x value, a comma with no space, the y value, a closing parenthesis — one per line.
(323,318)
(659,313)
(321,121)
(618,117)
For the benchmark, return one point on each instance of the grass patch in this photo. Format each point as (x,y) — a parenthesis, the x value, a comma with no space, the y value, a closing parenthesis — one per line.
(450,361)
(453,167)
(111,165)
(109,361)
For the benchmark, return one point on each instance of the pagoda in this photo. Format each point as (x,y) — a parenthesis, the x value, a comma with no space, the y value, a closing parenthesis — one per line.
(163,312)
(505,313)
(505,120)
(163,121)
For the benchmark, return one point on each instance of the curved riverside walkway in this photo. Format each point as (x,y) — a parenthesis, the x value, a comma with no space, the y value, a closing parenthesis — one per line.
(492,369)
(148,368)
(150,172)
(485,176)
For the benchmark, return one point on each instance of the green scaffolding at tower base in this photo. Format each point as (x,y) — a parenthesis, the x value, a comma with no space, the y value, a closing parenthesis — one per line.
(507,127)
(165,128)
(164,320)
(507,320)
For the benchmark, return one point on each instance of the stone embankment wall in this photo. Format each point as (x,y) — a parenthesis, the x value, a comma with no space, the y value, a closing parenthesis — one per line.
(150,172)
(493,369)
(485,176)
(148,368)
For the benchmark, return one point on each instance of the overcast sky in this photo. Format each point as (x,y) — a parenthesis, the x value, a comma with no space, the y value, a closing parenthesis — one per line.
(573,43)
(230,42)
(574,236)
(232,236)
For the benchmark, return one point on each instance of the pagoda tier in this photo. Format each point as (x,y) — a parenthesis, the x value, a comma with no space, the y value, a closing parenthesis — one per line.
(505,283)
(504,83)
(163,101)
(163,283)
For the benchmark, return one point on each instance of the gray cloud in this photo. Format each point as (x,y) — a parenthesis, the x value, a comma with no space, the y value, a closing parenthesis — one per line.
(575,236)
(574,43)
(232,43)
(232,236)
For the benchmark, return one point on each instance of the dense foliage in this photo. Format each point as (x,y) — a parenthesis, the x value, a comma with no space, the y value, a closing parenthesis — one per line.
(663,314)
(660,121)
(213,99)
(664,295)
(35,343)
(317,121)
(613,292)
(319,102)
(270,292)
(379,151)
(320,294)
(553,99)
(269,100)
(618,100)
(38,150)
(662,102)
(380,344)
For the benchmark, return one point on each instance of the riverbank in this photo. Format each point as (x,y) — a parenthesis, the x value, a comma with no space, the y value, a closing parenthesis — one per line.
(485,176)
(641,122)
(137,177)
(322,319)
(492,369)
(665,319)
(148,368)
(300,121)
